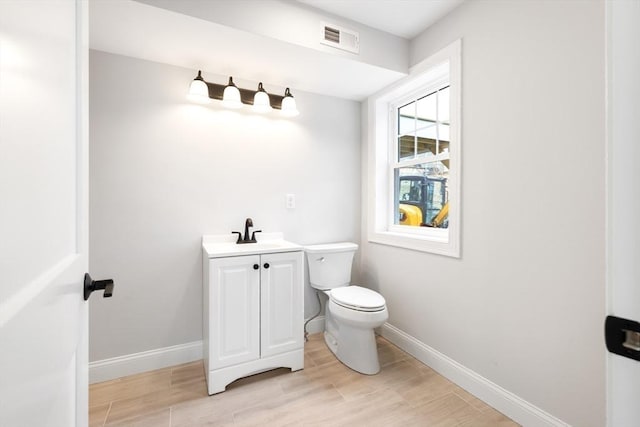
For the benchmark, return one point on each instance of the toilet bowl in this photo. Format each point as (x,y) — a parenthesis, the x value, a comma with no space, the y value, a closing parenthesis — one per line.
(352,312)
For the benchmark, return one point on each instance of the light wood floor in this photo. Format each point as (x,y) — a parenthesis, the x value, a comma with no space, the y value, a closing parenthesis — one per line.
(325,393)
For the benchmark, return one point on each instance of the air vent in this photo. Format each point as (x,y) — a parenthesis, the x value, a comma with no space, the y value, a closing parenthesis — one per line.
(340,37)
(331,35)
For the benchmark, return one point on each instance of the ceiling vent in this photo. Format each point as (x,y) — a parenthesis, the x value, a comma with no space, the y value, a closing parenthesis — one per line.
(339,37)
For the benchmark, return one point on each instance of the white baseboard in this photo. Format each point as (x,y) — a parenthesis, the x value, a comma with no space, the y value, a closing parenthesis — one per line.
(121,366)
(503,400)
(130,364)
(316,325)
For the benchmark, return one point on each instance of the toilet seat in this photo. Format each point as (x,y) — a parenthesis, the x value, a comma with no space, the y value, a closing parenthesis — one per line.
(358,298)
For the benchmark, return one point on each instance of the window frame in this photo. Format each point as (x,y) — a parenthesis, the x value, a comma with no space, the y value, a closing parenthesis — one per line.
(382,145)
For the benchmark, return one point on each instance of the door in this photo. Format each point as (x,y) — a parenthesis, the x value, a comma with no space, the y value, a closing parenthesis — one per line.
(282,307)
(623,232)
(43,213)
(234,310)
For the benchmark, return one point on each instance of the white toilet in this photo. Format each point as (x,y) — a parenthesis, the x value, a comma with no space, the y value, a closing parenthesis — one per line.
(351,312)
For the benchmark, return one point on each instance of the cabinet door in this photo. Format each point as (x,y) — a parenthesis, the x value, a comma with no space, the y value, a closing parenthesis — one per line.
(234,311)
(282,303)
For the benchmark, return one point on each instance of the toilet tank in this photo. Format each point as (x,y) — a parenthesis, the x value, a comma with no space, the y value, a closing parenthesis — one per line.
(330,264)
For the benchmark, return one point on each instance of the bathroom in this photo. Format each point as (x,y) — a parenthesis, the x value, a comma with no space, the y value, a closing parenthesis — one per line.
(185,170)
(516,318)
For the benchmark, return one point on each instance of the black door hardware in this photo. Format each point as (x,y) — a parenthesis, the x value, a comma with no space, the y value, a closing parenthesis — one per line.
(266,265)
(256,266)
(91,285)
(622,337)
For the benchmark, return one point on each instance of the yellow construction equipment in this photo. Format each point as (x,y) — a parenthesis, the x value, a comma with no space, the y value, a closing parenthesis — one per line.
(410,215)
(439,219)
(422,201)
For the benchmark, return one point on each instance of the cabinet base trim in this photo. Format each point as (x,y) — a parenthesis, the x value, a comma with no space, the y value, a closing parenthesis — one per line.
(219,379)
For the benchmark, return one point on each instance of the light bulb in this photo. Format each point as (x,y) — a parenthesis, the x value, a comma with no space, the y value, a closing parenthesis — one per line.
(231,96)
(198,90)
(261,103)
(289,108)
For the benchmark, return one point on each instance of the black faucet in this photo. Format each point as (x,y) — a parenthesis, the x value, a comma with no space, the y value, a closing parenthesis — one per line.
(246,239)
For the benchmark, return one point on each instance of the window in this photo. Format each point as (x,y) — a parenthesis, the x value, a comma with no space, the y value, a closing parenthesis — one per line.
(414,158)
(420,169)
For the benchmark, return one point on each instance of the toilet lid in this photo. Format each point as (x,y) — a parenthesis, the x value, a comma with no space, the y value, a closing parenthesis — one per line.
(358,298)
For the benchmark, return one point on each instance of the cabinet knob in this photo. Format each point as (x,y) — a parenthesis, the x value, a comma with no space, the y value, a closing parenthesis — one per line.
(256,266)
(266,265)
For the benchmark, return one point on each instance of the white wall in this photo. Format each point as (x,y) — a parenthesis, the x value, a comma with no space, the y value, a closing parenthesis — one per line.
(164,172)
(624,199)
(524,305)
(298,24)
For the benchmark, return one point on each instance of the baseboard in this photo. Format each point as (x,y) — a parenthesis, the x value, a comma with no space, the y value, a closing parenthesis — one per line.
(130,364)
(121,366)
(514,407)
(316,325)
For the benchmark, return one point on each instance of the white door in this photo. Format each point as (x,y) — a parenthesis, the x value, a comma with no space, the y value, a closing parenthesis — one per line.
(282,309)
(234,310)
(623,252)
(43,213)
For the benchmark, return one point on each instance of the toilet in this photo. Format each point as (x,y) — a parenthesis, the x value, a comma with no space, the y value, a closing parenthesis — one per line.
(351,312)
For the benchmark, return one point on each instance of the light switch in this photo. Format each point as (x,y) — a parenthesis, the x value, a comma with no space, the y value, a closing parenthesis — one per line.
(291,201)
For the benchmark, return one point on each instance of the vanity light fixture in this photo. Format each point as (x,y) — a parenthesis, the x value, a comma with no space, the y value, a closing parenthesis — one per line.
(199,91)
(261,102)
(231,95)
(235,97)
(289,108)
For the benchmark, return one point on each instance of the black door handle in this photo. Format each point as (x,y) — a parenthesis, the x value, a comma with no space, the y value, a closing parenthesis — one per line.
(622,337)
(266,265)
(256,266)
(91,285)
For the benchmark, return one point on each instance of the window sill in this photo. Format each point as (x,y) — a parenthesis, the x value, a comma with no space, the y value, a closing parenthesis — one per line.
(418,243)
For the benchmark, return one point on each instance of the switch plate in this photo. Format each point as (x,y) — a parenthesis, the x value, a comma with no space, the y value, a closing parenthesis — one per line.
(291,201)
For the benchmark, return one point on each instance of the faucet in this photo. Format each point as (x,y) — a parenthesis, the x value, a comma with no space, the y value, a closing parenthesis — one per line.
(247,223)
(246,239)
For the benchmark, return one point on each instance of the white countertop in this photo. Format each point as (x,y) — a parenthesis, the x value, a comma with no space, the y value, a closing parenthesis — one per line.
(224,245)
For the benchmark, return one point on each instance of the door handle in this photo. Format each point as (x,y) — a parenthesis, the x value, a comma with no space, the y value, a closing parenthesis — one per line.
(91,285)
(622,337)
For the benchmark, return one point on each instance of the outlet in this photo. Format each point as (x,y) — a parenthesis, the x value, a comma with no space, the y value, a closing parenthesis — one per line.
(291,201)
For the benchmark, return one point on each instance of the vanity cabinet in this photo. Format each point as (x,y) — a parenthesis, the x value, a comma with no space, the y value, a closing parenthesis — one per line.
(253,315)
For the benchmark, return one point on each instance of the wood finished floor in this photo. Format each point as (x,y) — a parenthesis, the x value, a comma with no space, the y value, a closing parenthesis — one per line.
(325,393)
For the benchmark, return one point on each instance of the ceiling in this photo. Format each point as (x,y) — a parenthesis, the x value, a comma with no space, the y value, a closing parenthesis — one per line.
(139,30)
(403,18)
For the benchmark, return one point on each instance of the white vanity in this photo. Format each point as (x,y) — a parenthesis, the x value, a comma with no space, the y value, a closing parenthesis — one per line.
(253,308)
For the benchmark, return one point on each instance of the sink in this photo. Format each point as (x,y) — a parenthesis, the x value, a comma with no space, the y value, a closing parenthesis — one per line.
(224,245)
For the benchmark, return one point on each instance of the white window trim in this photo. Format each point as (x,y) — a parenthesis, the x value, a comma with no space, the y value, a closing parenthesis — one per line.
(379,194)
